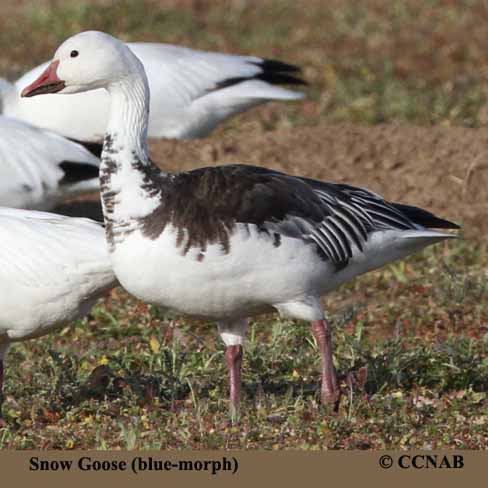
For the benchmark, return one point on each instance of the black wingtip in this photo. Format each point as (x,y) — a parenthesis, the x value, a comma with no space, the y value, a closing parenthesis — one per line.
(424,218)
(279,73)
(272,78)
(75,172)
(278,66)
(280,78)
(272,71)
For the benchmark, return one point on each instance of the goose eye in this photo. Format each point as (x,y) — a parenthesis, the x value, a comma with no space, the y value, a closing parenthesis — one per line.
(74,53)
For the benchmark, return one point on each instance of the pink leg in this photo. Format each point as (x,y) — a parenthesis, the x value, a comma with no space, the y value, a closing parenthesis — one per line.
(329,392)
(233,358)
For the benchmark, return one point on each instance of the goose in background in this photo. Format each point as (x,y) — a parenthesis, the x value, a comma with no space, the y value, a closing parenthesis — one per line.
(52,271)
(40,169)
(191,93)
(229,242)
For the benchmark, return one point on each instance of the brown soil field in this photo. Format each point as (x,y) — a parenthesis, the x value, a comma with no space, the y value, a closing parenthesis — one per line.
(443,169)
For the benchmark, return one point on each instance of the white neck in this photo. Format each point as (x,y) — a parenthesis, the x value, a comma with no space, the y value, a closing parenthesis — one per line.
(128,180)
(129,114)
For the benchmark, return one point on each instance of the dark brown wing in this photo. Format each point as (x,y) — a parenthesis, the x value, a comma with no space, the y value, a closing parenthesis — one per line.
(207,203)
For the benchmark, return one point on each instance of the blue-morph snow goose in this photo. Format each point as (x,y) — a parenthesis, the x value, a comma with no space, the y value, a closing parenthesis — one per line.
(191,93)
(52,270)
(39,169)
(227,242)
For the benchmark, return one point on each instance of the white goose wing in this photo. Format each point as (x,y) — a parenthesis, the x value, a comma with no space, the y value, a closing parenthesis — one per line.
(52,269)
(189,74)
(38,168)
(191,92)
(42,250)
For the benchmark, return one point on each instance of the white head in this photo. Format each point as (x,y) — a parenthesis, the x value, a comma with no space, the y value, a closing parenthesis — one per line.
(86,61)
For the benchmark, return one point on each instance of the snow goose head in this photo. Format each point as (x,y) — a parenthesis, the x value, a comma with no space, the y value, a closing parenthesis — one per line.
(84,62)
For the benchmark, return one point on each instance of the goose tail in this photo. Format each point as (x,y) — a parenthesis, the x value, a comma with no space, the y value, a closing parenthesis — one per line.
(427,237)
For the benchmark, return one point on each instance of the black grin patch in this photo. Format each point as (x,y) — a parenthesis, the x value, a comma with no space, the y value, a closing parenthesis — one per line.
(48,88)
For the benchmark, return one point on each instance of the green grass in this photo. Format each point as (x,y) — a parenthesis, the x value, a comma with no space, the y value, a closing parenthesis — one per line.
(128,377)
(368,62)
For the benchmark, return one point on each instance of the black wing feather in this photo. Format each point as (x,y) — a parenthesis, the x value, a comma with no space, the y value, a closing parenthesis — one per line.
(351,214)
(94,147)
(272,71)
(75,172)
(424,218)
(208,202)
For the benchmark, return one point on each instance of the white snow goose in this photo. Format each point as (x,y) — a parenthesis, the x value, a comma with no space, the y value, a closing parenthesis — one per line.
(39,169)
(52,270)
(226,243)
(191,93)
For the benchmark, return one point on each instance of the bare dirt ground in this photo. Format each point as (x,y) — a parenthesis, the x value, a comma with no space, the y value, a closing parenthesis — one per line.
(441,169)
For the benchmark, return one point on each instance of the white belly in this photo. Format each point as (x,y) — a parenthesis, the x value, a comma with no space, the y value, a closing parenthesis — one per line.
(253,277)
